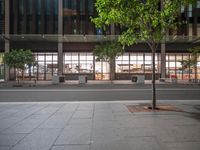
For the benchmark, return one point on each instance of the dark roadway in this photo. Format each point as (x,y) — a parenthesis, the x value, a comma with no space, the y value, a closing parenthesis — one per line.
(35,95)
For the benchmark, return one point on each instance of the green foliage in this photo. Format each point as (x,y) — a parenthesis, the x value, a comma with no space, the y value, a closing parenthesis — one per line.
(143,20)
(108,50)
(19,58)
(192,61)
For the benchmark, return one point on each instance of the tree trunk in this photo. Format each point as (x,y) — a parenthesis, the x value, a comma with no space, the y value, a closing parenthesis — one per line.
(153,79)
(195,69)
(22,74)
(112,69)
(29,72)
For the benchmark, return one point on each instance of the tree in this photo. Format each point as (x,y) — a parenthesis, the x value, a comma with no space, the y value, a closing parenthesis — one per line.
(19,59)
(108,51)
(142,20)
(192,61)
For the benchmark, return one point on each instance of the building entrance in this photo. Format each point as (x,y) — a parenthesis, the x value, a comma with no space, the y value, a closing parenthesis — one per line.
(102,70)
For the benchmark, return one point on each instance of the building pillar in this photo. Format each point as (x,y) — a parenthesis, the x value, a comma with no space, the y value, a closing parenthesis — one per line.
(163,60)
(60,35)
(7,31)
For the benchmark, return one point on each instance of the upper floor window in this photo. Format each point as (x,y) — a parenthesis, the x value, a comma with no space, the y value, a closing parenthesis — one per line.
(38,7)
(1,7)
(82,5)
(21,7)
(29,7)
(91,6)
(190,10)
(198,4)
(47,7)
(55,7)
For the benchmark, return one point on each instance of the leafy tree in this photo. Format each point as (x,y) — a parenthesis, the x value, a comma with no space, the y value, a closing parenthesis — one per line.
(192,61)
(19,59)
(142,20)
(108,51)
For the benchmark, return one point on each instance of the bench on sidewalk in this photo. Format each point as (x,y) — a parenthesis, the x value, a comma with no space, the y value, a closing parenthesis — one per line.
(169,80)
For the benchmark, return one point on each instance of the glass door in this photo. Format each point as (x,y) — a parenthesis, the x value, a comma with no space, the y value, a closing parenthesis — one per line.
(102,70)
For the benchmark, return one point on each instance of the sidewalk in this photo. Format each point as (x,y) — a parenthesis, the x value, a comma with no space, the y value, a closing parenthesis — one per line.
(97,126)
(94,83)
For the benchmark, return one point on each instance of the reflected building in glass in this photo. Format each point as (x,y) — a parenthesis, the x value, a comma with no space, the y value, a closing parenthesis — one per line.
(62,38)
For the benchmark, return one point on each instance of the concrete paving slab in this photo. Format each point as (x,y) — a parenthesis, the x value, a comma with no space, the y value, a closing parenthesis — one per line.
(39,139)
(5,147)
(75,134)
(183,146)
(25,126)
(83,114)
(110,145)
(144,143)
(82,122)
(10,139)
(71,147)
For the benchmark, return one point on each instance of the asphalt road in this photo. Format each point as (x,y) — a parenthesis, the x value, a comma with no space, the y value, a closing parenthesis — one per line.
(36,95)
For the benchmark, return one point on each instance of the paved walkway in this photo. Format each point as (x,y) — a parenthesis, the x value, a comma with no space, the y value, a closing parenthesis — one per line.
(94,83)
(97,126)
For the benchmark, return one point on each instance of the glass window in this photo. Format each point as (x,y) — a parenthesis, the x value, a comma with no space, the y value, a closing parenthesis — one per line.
(198,4)
(91,6)
(122,63)
(55,7)
(82,5)
(47,7)
(78,63)
(38,7)
(1,7)
(21,7)
(29,7)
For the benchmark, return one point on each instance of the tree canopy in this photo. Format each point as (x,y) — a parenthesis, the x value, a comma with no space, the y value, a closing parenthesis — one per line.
(18,58)
(108,50)
(192,61)
(142,20)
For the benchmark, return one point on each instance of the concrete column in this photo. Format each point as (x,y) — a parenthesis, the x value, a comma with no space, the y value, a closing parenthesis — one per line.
(163,60)
(60,33)
(7,31)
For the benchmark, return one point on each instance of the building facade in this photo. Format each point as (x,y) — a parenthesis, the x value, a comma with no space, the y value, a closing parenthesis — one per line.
(62,37)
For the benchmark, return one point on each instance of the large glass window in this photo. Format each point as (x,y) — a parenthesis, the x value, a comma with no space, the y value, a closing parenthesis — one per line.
(174,68)
(38,7)
(55,7)
(91,7)
(86,63)
(21,7)
(1,7)
(46,66)
(2,16)
(137,63)
(82,5)
(47,7)
(29,5)
(78,63)
(122,63)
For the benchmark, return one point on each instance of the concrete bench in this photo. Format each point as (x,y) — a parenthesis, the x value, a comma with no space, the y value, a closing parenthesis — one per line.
(170,80)
(194,81)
